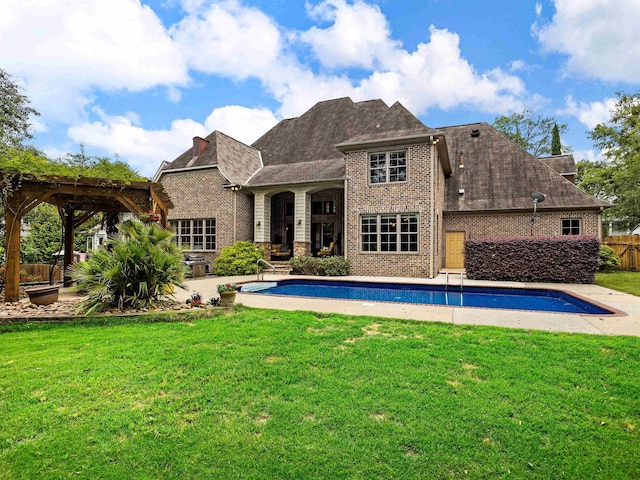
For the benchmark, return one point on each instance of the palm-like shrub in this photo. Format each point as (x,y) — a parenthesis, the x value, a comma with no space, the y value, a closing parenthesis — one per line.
(138,267)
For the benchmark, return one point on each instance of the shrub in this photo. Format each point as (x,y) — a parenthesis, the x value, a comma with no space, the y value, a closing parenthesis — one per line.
(136,269)
(331,266)
(238,259)
(608,258)
(335,266)
(569,259)
(305,265)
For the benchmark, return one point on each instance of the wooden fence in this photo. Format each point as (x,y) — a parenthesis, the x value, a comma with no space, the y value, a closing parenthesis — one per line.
(42,270)
(627,247)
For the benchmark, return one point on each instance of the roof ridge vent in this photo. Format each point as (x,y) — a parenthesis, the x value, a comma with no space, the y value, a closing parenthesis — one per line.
(475,133)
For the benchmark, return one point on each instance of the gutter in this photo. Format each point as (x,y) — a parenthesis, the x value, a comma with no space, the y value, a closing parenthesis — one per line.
(433,208)
(188,169)
(385,141)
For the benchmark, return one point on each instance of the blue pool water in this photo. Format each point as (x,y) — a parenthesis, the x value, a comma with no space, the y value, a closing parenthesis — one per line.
(485,297)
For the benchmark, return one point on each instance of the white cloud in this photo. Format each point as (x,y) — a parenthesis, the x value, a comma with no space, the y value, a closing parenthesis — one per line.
(538,9)
(63,52)
(228,39)
(589,155)
(601,38)
(589,113)
(144,149)
(359,36)
(437,75)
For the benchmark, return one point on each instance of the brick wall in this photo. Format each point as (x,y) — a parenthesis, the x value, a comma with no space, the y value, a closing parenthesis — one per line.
(412,196)
(199,194)
(495,225)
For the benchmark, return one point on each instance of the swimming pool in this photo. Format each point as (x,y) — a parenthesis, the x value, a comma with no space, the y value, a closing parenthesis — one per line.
(485,297)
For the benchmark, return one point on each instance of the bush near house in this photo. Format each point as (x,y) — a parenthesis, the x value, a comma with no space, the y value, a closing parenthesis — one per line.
(238,259)
(330,266)
(566,259)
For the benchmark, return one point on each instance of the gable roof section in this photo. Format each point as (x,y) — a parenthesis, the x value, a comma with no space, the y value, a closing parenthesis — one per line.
(312,137)
(236,161)
(396,123)
(562,164)
(500,175)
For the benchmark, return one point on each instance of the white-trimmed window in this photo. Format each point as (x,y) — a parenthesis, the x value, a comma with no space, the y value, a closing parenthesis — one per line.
(195,234)
(387,167)
(389,233)
(571,226)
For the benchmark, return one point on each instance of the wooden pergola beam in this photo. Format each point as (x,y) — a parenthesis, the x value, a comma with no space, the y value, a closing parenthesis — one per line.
(70,194)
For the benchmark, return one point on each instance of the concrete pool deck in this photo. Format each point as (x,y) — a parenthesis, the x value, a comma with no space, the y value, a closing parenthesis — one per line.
(626,323)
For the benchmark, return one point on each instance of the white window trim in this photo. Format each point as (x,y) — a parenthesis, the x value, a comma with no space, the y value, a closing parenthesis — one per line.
(388,167)
(398,232)
(579,220)
(176,224)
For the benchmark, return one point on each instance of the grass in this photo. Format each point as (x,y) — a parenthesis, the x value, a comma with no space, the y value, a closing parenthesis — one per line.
(623,281)
(271,394)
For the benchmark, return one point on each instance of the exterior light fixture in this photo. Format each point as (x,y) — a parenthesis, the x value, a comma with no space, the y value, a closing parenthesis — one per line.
(299,221)
(235,188)
(258,223)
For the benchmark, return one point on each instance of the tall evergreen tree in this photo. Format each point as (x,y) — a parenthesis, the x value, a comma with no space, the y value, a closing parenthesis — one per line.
(556,145)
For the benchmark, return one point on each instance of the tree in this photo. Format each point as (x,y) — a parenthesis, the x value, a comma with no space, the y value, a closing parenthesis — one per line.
(45,234)
(533,132)
(14,112)
(556,145)
(619,177)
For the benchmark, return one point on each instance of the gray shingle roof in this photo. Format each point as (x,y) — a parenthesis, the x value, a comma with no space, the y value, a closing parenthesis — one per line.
(235,160)
(396,122)
(563,164)
(302,142)
(311,171)
(499,175)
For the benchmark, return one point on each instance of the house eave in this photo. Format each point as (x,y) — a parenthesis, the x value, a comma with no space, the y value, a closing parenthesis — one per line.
(384,142)
(598,208)
(188,169)
(297,183)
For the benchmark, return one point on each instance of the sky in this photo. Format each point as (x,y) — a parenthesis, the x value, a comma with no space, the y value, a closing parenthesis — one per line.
(139,79)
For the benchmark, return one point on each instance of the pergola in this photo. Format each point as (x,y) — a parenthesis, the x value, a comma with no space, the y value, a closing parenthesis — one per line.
(78,199)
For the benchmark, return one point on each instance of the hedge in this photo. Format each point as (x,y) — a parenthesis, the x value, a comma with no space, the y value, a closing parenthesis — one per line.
(564,259)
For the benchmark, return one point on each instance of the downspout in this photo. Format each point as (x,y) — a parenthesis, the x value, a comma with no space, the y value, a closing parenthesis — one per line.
(345,222)
(433,209)
(235,215)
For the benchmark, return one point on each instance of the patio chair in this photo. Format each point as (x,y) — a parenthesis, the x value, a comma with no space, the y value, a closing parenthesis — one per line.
(325,252)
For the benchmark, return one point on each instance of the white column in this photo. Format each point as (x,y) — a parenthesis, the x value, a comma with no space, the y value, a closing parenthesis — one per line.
(262,217)
(302,216)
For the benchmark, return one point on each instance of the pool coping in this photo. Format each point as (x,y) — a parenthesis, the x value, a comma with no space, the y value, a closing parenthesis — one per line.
(626,323)
(614,312)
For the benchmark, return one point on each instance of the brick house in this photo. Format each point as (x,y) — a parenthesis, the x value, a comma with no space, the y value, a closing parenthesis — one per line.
(374,184)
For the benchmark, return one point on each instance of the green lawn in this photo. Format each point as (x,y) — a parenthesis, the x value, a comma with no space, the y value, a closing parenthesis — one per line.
(269,394)
(622,281)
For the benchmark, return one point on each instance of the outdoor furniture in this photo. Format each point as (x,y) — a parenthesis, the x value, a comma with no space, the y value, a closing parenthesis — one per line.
(325,252)
(278,250)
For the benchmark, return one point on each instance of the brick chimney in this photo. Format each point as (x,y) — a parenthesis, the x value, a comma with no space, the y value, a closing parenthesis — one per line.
(199,144)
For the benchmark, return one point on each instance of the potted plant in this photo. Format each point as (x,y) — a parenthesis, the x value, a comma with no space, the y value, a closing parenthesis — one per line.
(227,293)
(44,295)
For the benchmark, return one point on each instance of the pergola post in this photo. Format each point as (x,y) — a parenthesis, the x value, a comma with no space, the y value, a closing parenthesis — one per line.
(69,231)
(12,245)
